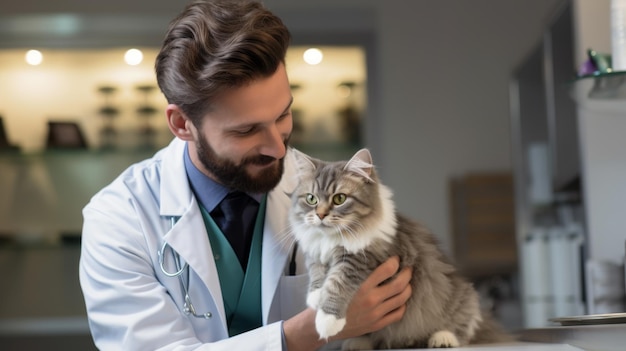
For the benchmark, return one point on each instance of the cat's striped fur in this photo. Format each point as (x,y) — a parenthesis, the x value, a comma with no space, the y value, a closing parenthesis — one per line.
(346,223)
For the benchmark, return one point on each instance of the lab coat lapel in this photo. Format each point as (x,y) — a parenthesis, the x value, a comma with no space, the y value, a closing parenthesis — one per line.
(188,237)
(190,240)
(276,241)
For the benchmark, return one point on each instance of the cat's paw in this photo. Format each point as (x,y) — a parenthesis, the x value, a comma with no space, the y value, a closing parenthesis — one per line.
(328,325)
(358,343)
(313,298)
(443,338)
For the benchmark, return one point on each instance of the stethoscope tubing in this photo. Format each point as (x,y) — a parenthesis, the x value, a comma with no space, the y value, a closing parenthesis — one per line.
(188,307)
(161,254)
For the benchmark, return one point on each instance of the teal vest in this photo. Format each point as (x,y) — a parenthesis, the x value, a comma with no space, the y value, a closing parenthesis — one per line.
(241,292)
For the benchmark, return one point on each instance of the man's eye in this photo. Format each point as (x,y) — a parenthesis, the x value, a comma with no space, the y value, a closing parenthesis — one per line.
(244,131)
(311,199)
(285,115)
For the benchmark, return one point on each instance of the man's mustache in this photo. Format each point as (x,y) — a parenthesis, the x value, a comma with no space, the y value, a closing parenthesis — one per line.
(261,160)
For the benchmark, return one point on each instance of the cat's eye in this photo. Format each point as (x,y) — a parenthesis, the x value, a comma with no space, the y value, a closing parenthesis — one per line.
(339,199)
(311,199)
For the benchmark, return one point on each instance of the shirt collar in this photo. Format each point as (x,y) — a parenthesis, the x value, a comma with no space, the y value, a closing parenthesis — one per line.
(208,192)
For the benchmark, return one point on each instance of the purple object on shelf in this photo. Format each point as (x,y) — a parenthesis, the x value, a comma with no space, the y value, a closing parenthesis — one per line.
(587,68)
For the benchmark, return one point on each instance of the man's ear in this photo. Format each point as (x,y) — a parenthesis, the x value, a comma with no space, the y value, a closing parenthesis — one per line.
(178,122)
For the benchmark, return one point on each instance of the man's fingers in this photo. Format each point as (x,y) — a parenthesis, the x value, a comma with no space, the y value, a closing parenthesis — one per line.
(396,301)
(381,299)
(397,284)
(391,317)
(394,294)
(383,272)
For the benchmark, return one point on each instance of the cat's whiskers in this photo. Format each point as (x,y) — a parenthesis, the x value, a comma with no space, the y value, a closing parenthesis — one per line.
(351,234)
(346,231)
(353,228)
(286,237)
(339,229)
(358,225)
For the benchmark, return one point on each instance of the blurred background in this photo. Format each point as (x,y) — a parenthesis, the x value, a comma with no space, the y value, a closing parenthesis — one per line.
(473,112)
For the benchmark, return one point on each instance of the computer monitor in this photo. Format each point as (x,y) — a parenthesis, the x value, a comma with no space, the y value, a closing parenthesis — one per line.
(65,135)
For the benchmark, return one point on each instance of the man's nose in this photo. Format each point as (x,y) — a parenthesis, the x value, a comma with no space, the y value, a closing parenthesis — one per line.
(275,143)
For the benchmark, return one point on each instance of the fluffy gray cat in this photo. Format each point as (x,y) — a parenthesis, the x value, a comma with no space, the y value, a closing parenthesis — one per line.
(346,224)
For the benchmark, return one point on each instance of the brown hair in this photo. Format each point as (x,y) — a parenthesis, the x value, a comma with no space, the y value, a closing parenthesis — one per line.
(214,46)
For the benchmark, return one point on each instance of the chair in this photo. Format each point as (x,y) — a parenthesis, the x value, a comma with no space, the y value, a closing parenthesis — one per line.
(65,135)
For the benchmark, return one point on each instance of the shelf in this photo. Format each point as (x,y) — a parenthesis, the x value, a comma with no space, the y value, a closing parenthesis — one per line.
(608,86)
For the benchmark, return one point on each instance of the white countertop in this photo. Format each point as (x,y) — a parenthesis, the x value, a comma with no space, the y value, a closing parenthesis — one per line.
(517,346)
(601,337)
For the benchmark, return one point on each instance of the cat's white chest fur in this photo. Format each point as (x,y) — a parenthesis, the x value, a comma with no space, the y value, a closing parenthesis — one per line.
(321,245)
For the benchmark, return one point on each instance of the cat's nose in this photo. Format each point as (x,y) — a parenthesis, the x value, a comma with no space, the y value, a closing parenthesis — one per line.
(321,215)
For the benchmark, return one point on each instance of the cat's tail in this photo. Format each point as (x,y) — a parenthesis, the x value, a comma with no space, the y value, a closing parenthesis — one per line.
(490,331)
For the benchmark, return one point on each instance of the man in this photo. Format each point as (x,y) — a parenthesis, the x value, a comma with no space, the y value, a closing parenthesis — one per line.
(158,268)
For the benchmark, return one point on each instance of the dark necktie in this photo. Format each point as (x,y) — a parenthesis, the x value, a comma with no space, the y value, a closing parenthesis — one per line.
(235,216)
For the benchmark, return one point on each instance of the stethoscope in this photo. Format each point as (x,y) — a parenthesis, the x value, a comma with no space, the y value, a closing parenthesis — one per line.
(188,308)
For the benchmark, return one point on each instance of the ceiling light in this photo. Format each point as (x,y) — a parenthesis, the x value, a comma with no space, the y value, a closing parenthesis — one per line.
(133,57)
(313,56)
(34,57)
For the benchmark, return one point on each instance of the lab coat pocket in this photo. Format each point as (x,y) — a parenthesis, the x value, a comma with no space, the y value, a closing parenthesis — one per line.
(293,290)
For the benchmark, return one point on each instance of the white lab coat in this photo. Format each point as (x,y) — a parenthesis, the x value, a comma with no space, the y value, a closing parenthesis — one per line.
(132,305)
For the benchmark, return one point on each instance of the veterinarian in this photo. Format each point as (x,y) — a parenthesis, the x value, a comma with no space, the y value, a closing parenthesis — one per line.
(158,269)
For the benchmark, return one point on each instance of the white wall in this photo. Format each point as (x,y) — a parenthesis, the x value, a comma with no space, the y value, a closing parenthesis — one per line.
(440,78)
(444,93)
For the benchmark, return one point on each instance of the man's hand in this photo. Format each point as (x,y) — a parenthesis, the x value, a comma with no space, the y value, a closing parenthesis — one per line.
(375,306)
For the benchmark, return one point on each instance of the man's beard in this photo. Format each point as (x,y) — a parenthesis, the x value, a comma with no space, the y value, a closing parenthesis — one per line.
(235,176)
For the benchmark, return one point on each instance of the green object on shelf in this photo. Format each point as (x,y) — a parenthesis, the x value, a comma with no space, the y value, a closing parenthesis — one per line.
(602,62)
(598,80)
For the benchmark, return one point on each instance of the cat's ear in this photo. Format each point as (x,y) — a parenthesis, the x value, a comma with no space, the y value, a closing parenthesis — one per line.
(304,164)
(361,164)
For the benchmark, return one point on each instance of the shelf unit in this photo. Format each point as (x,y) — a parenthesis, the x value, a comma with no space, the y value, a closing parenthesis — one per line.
(549,215)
